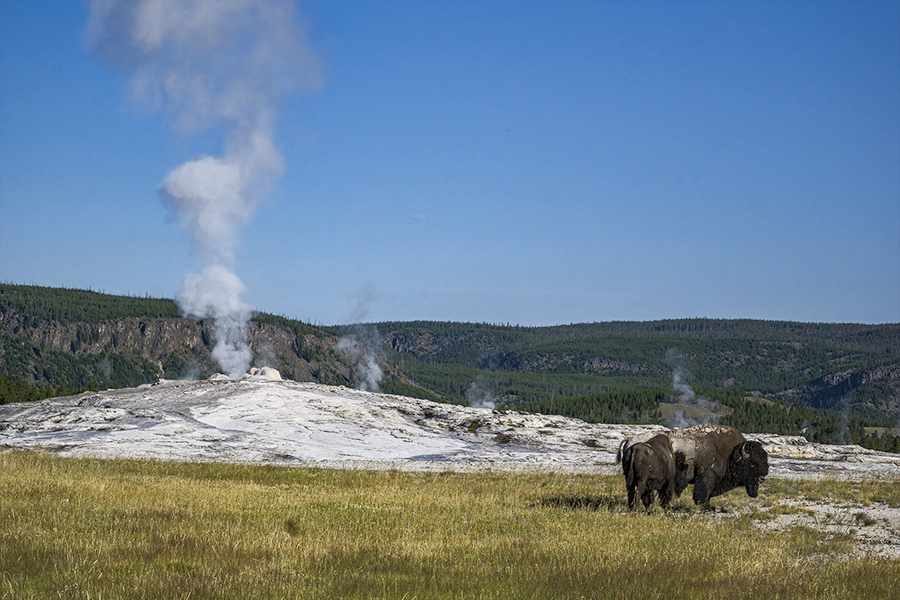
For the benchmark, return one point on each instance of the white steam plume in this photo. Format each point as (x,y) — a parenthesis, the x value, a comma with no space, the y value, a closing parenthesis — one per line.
(844,435)
(370,374)
(364,354)
(215,292)
(207,64)
(364,344)
(480,395)
(686,395)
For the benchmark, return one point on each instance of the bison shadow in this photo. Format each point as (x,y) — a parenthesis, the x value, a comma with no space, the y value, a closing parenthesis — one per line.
(617,504)
(584,502)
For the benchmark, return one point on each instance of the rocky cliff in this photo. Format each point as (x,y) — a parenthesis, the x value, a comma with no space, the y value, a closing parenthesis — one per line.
(873,391)
(151,348)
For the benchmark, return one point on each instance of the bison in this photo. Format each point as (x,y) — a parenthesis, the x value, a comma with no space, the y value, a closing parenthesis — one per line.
(650,466)
(715,459)
(718,459)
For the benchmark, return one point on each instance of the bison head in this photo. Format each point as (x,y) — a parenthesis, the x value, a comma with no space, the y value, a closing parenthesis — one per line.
(749,466)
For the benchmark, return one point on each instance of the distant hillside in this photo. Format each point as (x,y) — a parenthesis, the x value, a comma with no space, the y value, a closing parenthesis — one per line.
(826,366)
(622,371)
(51,337)
(459,338)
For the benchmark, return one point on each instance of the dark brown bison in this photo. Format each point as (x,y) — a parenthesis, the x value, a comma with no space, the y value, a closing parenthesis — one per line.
(715,459)
(649,466)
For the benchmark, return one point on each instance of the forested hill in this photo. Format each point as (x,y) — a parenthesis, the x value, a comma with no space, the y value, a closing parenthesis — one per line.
(828,366)
(37,304)
(52,337)
(455,339)
(63,339)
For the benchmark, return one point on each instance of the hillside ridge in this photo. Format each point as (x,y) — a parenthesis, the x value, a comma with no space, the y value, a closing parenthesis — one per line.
(52,335)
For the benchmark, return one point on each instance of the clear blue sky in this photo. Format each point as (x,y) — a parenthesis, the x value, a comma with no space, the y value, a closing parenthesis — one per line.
(535,163)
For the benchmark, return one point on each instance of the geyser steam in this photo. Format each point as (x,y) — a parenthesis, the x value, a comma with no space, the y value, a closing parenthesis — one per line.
(222,65)
(364,346)
(215,292)
(363,343)
(686,396)
(480,394)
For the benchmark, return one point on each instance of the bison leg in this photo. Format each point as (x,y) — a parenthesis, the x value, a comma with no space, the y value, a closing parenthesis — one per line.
(647,499)
(703,489)
(642,491)
(665,495)
(684,473)
(631,496)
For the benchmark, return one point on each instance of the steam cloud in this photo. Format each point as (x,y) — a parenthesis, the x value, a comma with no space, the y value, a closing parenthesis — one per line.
(480,395)
(363,346)
(844,435)
(686,395)
(215,292)
(211,64)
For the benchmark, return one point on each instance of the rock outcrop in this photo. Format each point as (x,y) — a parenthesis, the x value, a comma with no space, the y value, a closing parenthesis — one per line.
(179,347)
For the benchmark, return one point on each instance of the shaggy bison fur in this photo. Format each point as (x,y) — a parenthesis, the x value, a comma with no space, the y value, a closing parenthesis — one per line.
(650,466)
(717,459)
(714,458)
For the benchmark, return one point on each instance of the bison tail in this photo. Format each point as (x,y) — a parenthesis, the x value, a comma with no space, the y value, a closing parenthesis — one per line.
(619,453)
(630,477)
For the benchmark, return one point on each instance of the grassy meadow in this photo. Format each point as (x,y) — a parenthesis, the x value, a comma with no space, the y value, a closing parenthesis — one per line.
(92,529)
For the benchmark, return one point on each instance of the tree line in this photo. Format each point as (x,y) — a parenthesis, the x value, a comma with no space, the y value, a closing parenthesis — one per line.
(633,406)
(38,304)
(16,390)
(750,414)
(883,338)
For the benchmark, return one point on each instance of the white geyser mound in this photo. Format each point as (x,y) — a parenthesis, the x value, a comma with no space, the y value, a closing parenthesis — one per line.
(264,373)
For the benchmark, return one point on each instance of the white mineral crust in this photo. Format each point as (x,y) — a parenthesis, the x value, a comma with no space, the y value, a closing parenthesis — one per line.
(264,419)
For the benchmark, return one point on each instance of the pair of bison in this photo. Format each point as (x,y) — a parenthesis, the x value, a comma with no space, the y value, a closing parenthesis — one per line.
(714,458)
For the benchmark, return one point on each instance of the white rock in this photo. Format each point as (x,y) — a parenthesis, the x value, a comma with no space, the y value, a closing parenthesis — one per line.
(263,419)
(265,373)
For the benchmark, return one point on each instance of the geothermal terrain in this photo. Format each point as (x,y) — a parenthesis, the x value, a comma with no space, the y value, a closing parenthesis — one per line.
(263,419)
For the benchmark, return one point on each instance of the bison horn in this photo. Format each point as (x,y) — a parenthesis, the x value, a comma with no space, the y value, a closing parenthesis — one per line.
(744,453)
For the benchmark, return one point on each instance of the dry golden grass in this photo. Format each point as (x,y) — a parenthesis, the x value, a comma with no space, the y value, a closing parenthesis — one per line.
(831,490)
(126,529)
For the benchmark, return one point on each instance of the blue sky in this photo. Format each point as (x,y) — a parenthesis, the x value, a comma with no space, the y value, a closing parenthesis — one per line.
(535,163)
